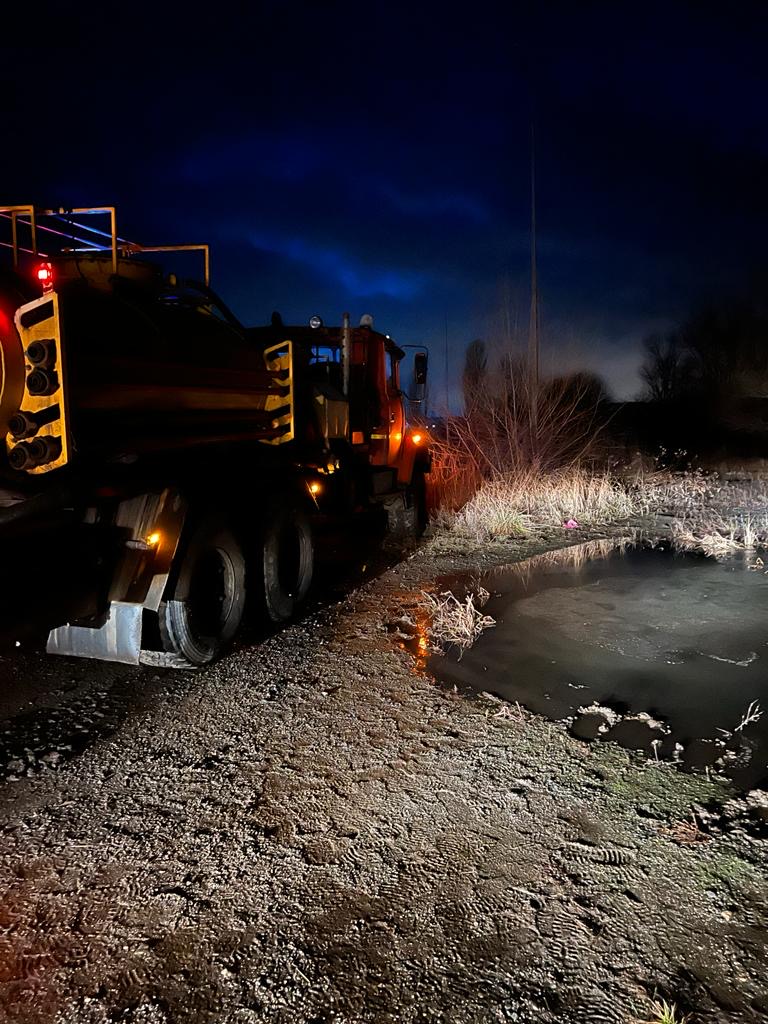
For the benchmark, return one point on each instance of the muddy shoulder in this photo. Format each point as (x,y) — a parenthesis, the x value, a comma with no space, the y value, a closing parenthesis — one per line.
(315,830)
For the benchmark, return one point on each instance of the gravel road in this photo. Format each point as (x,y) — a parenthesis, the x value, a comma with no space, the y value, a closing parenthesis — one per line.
(314,831)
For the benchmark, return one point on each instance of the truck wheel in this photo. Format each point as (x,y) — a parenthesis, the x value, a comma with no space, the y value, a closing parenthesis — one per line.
(208,599)
(287,562)
(418,495)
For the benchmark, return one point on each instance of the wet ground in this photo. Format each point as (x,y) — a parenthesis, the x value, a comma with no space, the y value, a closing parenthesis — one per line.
(634,628)
(53,709)
(313,830)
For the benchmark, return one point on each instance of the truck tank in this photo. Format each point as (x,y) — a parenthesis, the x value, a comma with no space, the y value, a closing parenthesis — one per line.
(110,366)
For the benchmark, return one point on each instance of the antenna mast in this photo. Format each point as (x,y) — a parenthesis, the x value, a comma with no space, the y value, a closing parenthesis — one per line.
(533,333)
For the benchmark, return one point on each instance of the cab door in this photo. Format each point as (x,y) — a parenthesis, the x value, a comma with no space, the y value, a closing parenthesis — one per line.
(394,406)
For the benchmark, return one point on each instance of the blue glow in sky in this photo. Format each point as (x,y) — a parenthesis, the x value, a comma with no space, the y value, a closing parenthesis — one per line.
(352,277)
(376,158)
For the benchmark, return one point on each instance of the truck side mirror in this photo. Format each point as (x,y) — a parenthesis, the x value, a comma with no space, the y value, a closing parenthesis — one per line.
(420,370)
(418,378)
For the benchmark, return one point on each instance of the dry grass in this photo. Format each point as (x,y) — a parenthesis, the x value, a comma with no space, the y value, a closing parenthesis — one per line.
(751,715)
(714,516)
(675,494)
(454,623)
(527,454)
(665,1013)
(718,536)
(504,709)
(685,833)
(492,511)
(512,506)
(709,515)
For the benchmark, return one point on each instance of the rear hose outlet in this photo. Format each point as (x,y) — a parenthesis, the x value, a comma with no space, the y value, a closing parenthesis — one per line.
(42,353)
(26,424)
(20,457)
(42,382)
(37,452)
(21,425)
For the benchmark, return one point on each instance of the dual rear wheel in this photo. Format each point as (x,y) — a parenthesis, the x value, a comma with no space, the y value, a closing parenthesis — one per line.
(206,599)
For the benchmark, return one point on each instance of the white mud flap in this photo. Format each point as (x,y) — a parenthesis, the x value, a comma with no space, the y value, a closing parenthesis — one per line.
(119,639)
(153,522)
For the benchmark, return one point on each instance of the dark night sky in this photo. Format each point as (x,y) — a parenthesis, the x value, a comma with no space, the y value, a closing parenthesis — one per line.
(375,158)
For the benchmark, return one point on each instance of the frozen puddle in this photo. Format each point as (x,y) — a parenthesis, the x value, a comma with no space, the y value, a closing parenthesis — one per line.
(680,639)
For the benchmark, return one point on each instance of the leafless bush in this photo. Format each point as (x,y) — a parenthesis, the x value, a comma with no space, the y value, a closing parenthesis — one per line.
(455,623)
(514,428)
(527,426)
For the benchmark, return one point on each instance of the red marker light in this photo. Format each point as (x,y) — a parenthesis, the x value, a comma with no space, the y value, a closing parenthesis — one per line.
(45,276)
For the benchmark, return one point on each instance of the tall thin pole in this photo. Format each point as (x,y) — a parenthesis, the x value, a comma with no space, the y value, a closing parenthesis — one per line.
(533,334)
(447,409)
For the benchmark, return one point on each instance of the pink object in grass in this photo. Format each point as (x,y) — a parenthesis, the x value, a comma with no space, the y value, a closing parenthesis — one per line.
(571,524)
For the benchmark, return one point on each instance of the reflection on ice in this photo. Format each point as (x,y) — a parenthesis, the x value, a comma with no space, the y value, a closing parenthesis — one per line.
(639,630)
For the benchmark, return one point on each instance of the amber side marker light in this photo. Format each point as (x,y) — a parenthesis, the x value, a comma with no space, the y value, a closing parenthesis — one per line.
(153,539)
(417,438)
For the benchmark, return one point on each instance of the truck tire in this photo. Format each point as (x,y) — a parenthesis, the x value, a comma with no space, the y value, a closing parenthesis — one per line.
(207,602)
(287,562)
(418,500)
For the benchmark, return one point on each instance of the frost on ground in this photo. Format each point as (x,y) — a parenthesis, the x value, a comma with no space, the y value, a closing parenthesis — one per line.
(313,831)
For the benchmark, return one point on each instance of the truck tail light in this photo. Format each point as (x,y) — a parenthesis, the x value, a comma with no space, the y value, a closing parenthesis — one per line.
(45,276)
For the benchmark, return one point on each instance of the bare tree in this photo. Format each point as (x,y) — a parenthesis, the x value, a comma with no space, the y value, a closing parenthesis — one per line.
(663,369)
(721,351)
(474,381)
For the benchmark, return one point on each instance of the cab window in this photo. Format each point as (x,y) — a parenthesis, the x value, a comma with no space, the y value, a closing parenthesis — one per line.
(324,354)
(393,374)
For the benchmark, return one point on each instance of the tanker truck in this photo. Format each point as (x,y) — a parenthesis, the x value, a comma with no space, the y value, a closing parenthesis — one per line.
(161,463)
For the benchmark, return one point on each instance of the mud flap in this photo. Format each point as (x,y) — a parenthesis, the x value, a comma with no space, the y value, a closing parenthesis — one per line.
(401,522)
(119,639)
(153,522)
